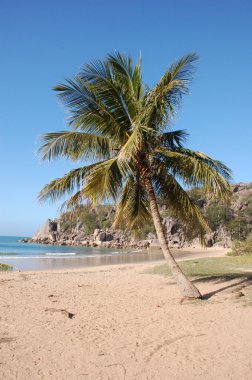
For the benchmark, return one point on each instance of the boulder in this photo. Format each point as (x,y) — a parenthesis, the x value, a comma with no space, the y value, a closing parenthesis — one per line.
(101,236)
(81,236)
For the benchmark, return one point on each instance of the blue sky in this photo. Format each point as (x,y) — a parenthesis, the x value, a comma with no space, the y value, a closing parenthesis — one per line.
(43,42)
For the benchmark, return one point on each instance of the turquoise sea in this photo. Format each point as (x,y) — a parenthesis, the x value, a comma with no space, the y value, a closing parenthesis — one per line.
(30,256)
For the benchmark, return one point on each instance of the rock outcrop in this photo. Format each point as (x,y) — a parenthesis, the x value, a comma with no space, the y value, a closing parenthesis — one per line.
(51,233)
(54,232)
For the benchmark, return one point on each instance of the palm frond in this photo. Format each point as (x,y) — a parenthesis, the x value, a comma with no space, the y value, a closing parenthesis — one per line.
(199,170)
(104,181)
(133,206)
(65,185)
(173,139)
(92,110)
(137,80)
(137,142)
(75,146)
(162,101)
(110,89)
(129,77)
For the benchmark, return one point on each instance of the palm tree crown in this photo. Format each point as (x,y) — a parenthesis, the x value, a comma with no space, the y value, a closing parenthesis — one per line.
(123,127)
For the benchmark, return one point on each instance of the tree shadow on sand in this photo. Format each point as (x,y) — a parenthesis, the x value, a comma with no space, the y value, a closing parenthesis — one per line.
(243,280)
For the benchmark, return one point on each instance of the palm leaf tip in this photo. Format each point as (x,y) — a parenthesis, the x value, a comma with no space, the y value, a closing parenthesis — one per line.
(59,87)
(184,68)
(74,145)
(73,181)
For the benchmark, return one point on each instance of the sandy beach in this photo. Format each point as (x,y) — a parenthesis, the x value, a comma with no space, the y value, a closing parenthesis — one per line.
(120,322)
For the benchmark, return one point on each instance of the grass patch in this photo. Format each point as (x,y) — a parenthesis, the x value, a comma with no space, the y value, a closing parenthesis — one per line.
(4,267)
(219,270)
(230,267)
(234,254)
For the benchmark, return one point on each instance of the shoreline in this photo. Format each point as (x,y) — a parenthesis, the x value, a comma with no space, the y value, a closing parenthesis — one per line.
(83,263)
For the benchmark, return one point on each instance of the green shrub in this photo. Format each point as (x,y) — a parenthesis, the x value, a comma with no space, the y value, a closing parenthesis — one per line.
(89,221)
(88,218)
(4,267)
(241,248)
(218,214)
(238,227)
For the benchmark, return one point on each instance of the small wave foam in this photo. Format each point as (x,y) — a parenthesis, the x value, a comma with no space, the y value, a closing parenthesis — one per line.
(60,253)
(20,257)
(49,256)
(118,252)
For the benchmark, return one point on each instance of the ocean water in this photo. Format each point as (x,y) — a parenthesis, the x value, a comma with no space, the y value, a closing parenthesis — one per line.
(10,247)
(30,256)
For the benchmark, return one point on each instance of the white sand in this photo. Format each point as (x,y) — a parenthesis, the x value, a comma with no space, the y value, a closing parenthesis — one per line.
(126,325)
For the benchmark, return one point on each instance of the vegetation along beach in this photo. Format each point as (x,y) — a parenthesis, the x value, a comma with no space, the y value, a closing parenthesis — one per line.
(126,197)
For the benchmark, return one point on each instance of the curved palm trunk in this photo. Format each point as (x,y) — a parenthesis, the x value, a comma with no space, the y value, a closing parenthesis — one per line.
(187,288)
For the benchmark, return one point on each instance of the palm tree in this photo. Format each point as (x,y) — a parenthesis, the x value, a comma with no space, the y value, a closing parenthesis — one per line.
(123,128)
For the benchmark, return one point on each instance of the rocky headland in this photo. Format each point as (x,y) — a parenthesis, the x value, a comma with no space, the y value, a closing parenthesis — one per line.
(228,223)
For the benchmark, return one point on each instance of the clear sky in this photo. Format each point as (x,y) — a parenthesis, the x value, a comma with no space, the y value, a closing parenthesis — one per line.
(43,42)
